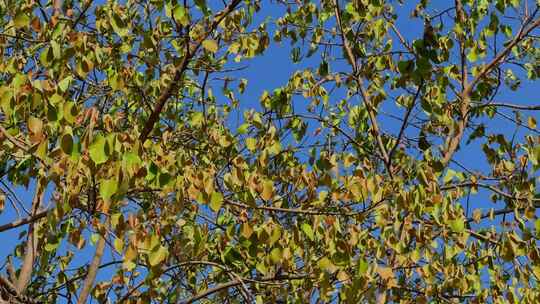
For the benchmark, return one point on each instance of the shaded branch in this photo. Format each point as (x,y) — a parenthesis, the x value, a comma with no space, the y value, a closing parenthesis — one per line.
(24,221)
(369,107)
(490,187)
(295,210)
(237,282)
(179,73)
(12,290)
(509,105)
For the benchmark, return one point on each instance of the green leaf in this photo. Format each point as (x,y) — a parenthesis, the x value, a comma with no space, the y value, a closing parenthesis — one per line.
(70,112)
(308,231)
(21,20)
(181,15)
(243,128)
(362,266)
(158,256)
(197,119)
(276,255)
(457,225)
(131,160)
(99,150)
(107,188)
(66,143)
(119,25)
(56,49)
(49,247)
(406,66)
(201,4)
(46,56)
(473,55)
(327,265)
(164,179)
(118,245)
(449,176)
(275,148)
(216,200)
(64,84)
(261,267)
(323,69)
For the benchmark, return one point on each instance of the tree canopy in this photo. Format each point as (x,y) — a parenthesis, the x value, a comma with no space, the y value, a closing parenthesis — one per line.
(398,161)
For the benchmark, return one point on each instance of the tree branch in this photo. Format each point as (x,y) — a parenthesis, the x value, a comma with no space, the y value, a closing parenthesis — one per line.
(404,124)
(509,105)
(489,187)
(363,93)
(298,211)
(179,73)
(523,32)
(6,284)
(31,243)
(237,282)
(92,271)
(13,140)
(24,221)
(454,138)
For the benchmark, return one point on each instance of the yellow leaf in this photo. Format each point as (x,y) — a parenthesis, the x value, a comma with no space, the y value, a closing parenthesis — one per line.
(35,125)
(268,190)
(130,254)
(216,200)
(41,150)
(343,276)
(348,160)
(118,245)
(246,231)
(327,265)
(210,45)
(531,121)
(2,201)
(251,144)
(385,272)
(158,256)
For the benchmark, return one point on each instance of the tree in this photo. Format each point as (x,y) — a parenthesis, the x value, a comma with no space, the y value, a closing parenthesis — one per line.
(393,165)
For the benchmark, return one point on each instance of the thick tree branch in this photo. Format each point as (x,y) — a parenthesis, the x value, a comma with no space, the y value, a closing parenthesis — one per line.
(454,139)
(92,271)
(12,290)
(31,243)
